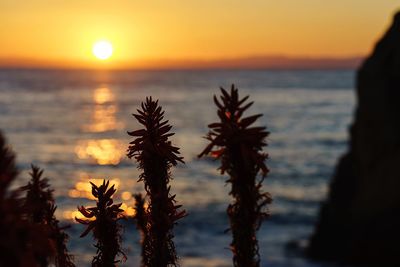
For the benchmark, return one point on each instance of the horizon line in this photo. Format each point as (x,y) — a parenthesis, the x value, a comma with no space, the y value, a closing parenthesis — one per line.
(272,62)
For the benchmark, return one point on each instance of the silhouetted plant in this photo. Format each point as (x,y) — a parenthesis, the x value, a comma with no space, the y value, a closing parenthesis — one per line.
(103,222)
(8,170)
(155,154)
(39,197)
(37,202)
(39,206)
(239,149)
(19,240)
(12,246)
(60,238)
(141,222)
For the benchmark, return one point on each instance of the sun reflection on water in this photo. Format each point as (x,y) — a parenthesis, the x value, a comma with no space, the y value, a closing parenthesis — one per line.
(104,113)
(84,189)
(103,151)
(103,119)
(103,95)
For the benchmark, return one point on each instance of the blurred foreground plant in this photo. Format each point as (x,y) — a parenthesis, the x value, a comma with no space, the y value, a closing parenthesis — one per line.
(141,222)
(39,206)
(239,147)
(20,241)
(60,238)
(102,220)
(14,230)
(156,155)
(8,170)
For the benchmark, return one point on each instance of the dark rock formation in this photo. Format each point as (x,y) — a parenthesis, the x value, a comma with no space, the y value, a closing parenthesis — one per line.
(360,221)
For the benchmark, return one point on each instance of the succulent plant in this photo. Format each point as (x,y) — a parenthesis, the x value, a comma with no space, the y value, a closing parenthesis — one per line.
(102,221)
(141,222)
(60,239)
(8,169)
(239,147)
(156,155)
(22,243)
(39,207)
(39,197)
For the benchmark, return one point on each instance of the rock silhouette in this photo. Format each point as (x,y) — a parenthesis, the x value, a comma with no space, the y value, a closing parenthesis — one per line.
(360,221)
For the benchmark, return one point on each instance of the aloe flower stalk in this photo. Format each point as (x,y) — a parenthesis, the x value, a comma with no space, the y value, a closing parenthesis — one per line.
(239,147)
(102,220)
(156,155)
(141,222)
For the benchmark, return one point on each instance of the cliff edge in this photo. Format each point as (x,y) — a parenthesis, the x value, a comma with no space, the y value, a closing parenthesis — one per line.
(360,221)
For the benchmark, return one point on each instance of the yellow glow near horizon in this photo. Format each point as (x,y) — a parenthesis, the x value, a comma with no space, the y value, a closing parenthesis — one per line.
(102,50)
(154,33)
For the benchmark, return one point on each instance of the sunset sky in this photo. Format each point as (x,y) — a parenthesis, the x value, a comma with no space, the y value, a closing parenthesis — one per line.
(157,33)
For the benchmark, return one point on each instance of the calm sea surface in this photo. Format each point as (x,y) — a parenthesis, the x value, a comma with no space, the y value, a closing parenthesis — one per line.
(74,123)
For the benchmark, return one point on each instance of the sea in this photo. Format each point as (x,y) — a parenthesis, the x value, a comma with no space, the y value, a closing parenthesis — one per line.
(74,123)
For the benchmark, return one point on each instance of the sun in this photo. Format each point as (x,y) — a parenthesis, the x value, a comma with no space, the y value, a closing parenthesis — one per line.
(102,50)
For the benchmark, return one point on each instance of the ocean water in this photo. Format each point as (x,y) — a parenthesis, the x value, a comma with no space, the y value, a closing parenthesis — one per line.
(74,123)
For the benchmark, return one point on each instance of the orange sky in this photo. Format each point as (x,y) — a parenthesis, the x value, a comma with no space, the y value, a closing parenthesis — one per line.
(150,33)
